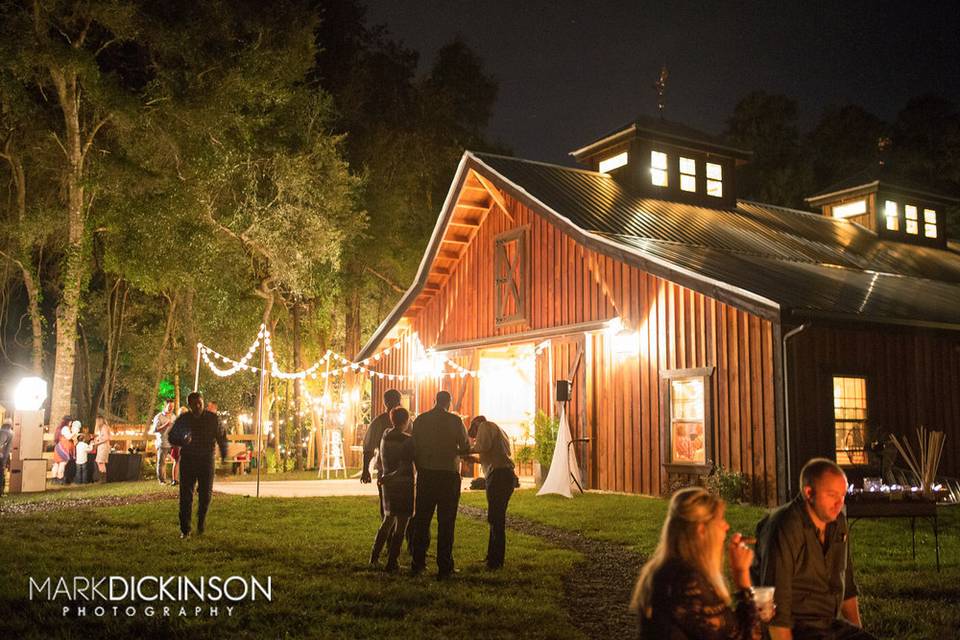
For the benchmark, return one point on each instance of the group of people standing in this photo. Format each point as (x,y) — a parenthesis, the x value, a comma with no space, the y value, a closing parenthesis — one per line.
(76,452)
(418,473)
(802,552)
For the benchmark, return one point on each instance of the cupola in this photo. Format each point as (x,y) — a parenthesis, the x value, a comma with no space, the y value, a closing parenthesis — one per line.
(889,205)
(667,160)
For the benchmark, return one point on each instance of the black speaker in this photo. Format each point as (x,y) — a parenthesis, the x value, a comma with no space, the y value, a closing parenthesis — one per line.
(563,391)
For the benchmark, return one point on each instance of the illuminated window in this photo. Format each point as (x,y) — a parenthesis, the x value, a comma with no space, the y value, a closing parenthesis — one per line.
(688,174)
(929,223)
(850,419)
(613,162)
(658,168)
(714,180)
(910,213)
(850,209)
(686,421)
(892,215)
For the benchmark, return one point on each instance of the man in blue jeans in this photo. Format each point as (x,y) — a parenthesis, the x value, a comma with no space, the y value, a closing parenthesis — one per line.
(439,438)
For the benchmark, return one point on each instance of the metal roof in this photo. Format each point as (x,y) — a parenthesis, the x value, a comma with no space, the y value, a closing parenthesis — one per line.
(808,263)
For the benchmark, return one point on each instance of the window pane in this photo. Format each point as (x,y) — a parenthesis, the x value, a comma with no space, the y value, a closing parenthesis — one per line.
(714,171)
(714,188)
(658,160)
(893,223)
(613,162)
(930,216)
(912,227)
(855,208)
(688,166)
(850,419)
(890,209)
(687,445)
(910,212)
(658,177)
(930,230)
(688,183)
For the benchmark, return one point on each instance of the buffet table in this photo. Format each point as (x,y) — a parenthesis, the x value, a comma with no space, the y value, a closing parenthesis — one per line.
(122,467)
(911,509)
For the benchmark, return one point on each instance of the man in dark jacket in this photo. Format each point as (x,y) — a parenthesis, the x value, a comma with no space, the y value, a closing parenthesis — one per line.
(438,440)
(196,432)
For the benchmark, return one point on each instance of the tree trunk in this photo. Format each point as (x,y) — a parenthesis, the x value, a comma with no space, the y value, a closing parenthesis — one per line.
(161,355)
(298,435)
(351,319)
(22,257)
(75,262)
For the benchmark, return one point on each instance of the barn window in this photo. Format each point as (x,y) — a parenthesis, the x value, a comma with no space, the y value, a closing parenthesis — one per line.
(510,266)
(686,424)
(850,419)
(714,180)
(688,174)
(613,162)
(658,168)
(929,223)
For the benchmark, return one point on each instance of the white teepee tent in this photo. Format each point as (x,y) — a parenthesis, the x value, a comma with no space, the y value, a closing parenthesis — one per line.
(563,467)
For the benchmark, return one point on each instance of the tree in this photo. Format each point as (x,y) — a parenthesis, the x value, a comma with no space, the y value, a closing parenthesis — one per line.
(767,125)
(58,46)
(844,142)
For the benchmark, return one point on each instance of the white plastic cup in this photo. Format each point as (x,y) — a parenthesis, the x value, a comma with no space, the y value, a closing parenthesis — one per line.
(763,597)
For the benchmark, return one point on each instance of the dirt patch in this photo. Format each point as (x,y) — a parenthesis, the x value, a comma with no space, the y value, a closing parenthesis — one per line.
(597,590)
(44,506)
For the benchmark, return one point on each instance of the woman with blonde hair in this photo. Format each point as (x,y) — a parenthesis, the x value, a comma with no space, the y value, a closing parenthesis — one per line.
(681,592)
(102,444)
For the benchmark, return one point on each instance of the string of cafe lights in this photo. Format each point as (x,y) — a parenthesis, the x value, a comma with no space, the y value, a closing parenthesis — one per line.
(436,362)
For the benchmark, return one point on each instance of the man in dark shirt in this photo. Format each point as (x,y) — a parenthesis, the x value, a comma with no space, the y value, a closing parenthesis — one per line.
(371,440)
(196,432)
(803,550)
(439,438)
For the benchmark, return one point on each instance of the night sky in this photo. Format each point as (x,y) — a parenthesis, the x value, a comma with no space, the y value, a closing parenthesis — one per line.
(571,70)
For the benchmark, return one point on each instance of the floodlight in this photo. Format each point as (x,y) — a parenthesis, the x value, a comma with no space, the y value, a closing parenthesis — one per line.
(30,394)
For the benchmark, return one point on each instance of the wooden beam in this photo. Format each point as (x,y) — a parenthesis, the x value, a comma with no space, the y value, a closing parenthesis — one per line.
(447,254)
(495,194)
(440,271)
(431,286)
(472,224)
(456,240)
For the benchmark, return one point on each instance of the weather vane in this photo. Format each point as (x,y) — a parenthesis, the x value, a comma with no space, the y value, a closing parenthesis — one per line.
(661,86)
(883,146)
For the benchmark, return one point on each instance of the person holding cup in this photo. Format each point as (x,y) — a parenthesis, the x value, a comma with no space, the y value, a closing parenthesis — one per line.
(681,591)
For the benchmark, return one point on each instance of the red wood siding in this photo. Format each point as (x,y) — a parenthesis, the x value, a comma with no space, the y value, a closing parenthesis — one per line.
(616,399)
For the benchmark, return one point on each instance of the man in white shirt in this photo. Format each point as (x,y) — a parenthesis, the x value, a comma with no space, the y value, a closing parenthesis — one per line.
(160,428)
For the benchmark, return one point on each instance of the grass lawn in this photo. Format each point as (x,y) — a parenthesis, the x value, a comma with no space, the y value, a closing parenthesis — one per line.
(899,598)
(315,550)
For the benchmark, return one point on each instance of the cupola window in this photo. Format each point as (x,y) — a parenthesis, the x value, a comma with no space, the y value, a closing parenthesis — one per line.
(891,215)
(658,169)
(688,174)
(929,223)
(850,209)
(613,162)
(714,180)
(912,224)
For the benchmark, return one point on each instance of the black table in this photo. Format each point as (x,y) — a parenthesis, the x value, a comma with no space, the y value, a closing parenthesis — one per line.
(122,467)
(912,509)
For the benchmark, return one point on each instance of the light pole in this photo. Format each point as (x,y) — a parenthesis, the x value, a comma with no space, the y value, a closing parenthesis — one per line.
(28,469)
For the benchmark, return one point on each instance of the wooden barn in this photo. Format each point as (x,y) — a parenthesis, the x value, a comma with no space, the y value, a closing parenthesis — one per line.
(698,329)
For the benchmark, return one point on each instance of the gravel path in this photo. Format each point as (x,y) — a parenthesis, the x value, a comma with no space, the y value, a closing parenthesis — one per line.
(43,506)
(597,590)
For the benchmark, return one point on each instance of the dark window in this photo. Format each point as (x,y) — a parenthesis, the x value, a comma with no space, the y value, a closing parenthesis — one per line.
(510,267)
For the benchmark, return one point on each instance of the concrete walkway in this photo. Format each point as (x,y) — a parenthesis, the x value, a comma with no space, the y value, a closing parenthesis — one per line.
(303,488)
(312,488)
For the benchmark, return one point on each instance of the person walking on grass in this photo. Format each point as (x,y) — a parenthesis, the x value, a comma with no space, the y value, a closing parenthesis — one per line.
(439,440)
(493,447)
(197,433)
(803,550)
(396,480)
(160,429)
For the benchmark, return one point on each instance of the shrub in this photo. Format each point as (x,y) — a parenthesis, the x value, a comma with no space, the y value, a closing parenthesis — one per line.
(545,439)
(729,485)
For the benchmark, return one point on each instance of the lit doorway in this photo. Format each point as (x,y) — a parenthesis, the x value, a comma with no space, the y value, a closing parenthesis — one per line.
(508,390)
